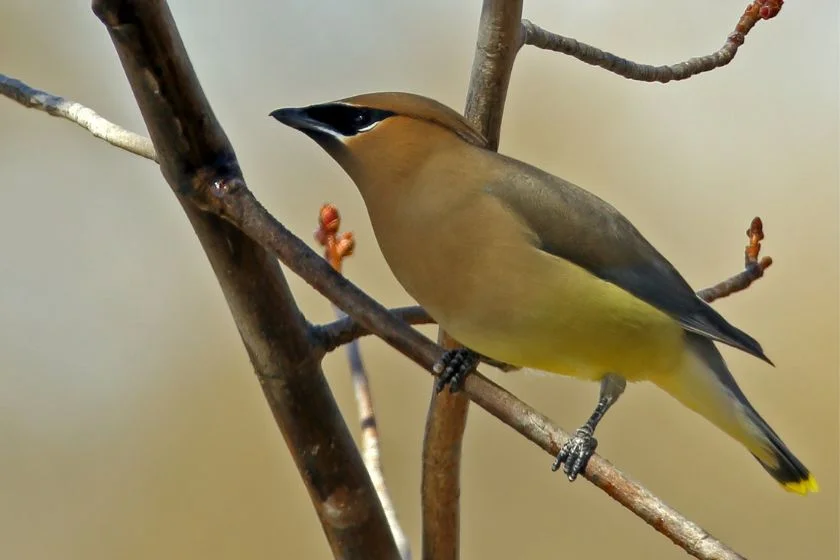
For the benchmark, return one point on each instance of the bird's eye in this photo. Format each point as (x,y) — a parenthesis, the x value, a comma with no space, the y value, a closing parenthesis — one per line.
(362,120)
(347,120)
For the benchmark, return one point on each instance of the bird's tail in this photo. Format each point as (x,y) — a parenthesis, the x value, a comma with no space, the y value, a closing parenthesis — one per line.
(706,386)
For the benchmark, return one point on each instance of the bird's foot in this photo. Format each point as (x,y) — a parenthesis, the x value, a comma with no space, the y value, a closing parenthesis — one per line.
(576,453)
(453,367)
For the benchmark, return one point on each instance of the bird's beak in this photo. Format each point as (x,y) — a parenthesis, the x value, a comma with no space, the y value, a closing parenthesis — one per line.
(296,118)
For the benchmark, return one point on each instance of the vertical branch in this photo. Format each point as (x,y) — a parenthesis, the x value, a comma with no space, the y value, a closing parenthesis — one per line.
(441,477)
(499,39)
(195,157)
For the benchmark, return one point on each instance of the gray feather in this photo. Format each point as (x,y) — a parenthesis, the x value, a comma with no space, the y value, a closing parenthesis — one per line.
(585,230)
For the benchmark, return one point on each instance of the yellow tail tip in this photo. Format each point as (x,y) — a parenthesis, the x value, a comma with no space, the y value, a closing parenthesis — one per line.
(803,486)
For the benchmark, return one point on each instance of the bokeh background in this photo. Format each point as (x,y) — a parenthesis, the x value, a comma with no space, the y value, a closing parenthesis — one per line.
(131,425)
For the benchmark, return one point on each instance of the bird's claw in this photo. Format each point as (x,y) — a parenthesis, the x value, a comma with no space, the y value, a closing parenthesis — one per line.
(575,453)
(453,367)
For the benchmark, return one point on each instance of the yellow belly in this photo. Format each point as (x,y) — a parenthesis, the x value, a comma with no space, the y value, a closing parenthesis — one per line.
(555,316)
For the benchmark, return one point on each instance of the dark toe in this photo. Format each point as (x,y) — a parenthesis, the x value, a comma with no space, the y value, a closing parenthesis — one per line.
(453,368)
(575,454)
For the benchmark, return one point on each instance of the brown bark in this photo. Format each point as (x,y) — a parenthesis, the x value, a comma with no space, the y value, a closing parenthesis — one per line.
(194,152)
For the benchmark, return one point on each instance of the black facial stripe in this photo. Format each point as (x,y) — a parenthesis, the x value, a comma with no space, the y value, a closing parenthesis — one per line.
(347,120)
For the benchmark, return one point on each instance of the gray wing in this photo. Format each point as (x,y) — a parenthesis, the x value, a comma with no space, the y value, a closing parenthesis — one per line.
(611,248)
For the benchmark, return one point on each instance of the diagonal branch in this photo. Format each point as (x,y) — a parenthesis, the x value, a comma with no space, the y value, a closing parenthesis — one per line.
(755,11)
(336,248)
(79,114)
(194,153)
(231,200)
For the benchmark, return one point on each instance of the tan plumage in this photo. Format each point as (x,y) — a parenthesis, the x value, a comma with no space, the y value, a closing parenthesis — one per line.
(530,270)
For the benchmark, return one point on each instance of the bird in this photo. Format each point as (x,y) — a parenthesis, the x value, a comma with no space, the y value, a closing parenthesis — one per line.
(527,270)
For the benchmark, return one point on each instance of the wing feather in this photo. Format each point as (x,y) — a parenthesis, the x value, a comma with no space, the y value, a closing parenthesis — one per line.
(589,232)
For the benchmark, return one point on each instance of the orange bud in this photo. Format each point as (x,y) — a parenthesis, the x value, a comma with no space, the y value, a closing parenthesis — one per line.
(329,219)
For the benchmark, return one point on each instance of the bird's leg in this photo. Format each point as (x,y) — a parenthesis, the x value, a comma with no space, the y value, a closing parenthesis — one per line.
(577,451)
(453,367)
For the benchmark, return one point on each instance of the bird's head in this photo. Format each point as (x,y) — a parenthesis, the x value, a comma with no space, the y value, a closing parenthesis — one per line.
(380,132)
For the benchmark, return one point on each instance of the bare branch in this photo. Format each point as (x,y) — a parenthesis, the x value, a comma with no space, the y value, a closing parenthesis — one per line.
(446,421)
(336,248)
(755,11)
(195,154)
(79,114)
(753,267)
(344,330)
(499,38)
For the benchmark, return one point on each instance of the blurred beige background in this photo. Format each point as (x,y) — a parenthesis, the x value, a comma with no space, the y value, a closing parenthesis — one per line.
(130,422)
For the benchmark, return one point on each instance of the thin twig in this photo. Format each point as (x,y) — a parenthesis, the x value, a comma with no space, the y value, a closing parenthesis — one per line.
(79,114)
(755,11)
(336,248)
(345,330)
(753,267)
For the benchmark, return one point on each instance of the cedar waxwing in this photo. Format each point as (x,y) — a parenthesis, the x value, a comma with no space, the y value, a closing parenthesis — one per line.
(529,270)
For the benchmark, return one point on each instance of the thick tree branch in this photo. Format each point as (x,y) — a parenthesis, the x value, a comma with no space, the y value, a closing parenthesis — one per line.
(498,41)
(195,153)
(755,11)
(338,246)
(79,114)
